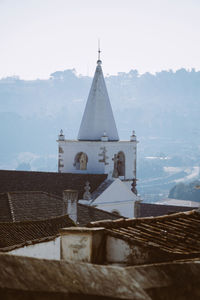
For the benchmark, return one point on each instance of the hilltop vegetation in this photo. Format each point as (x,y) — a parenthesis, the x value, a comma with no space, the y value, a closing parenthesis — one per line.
(186,191)
(163,108)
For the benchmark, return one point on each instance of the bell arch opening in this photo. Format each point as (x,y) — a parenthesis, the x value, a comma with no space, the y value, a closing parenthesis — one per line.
(80,161)
(121,163)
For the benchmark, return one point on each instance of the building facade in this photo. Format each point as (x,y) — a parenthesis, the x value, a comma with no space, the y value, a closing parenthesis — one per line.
(98,149)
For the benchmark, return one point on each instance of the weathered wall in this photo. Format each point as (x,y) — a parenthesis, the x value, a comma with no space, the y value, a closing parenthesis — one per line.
(117,251)
(83,244)
(76,247)
(122,253)
(47,250)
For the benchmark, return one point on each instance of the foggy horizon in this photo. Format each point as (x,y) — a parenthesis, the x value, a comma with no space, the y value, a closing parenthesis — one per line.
(40,37)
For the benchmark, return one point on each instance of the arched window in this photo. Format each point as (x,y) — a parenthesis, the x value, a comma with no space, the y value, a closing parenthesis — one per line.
(80,161)
(121,163)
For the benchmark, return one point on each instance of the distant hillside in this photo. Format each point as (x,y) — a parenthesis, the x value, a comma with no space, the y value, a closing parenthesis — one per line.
(163,108)
(186,191)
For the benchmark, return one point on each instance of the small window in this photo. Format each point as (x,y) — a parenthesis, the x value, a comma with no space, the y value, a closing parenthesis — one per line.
(80,161)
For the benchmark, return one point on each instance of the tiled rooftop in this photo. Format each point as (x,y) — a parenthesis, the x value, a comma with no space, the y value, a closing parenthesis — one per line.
(31,206)
(50,182)
(18,234)
(154,210)
(177,233)
(28,195)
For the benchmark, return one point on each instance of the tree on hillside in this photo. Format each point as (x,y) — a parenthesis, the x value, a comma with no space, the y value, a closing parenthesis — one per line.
(186,191)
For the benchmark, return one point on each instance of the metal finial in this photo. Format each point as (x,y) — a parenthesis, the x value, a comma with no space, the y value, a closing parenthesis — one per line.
(99,53)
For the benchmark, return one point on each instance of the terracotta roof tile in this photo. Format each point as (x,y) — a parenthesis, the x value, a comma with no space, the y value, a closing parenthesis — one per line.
(38,195)
(50,182)
(22,206)
(154,210)
(177,233)
(17,234)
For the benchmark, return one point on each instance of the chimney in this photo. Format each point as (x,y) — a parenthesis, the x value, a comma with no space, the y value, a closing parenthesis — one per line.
(70,198)
(82,244)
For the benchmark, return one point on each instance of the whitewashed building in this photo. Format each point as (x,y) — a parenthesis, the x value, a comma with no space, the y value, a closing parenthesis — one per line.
(98,149)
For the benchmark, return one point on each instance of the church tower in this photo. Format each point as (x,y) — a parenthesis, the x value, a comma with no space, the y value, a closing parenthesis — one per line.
(98,149)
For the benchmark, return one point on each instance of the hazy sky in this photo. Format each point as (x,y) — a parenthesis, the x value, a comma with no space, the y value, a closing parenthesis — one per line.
(38,37)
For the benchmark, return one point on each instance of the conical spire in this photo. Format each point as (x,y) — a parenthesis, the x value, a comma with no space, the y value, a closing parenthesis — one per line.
(98,116)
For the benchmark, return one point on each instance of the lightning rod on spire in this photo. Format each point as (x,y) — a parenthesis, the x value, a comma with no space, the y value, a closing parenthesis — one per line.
(99,53)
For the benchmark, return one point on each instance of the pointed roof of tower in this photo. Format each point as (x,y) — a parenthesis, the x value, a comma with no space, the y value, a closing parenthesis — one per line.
(98,117)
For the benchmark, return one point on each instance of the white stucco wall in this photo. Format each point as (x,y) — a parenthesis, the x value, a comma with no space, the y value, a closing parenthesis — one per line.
(121,252)
(117,197)
(69,149)
(44,250)
(82,244)
(76,247)
(117,251)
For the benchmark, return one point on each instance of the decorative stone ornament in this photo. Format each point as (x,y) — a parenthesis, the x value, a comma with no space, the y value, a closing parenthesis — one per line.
(87,195)
(133,137)
(134,184)
(104,137)
(61,136)
(115,173)
(104,157)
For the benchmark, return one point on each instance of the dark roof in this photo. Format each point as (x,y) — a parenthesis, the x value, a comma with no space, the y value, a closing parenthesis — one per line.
(87,214)
(50,182)
(101,188)
(5,212)
(29,206)
(30,278)
(177,233)
(17,234)
(153,210)
(22,206)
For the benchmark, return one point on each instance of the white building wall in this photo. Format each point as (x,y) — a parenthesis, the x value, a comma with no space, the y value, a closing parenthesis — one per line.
(125,209)
(119,198)
(117,251)
(44,250)
(76,247)
(69,148)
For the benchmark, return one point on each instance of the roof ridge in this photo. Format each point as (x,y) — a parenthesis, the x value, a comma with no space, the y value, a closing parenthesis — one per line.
(124,221)
(101,188)
(55,173)
(11,207)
